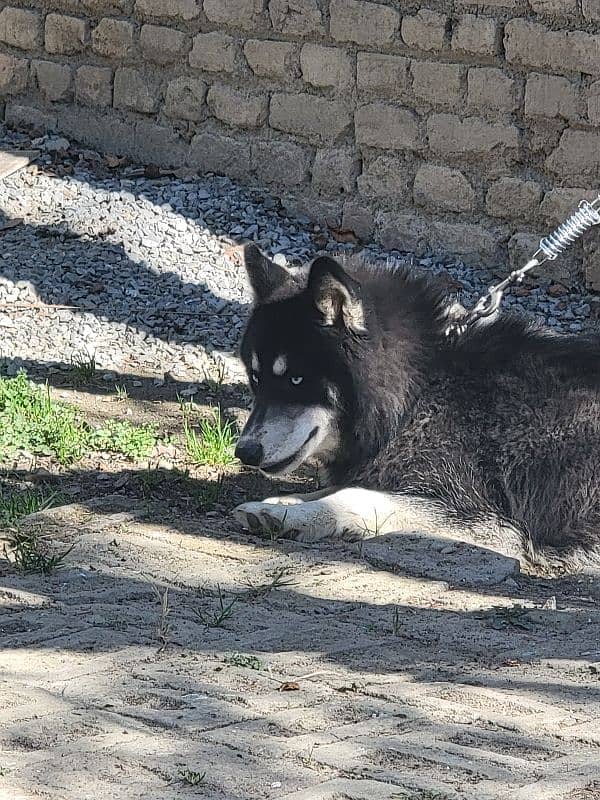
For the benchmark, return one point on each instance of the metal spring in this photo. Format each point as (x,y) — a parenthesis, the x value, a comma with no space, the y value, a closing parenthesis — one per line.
(574,227)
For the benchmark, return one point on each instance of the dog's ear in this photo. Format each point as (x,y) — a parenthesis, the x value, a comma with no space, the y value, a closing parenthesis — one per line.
(335,294)
(266,277)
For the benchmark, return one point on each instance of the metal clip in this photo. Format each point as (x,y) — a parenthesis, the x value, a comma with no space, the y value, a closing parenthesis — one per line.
(575,226)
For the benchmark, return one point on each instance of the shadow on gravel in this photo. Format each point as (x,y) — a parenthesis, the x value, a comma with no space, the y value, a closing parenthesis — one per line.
(114,286)
(97,277)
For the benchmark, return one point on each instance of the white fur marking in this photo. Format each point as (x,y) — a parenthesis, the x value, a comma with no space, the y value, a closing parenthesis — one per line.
(280,365)
(285,433)
(255,363)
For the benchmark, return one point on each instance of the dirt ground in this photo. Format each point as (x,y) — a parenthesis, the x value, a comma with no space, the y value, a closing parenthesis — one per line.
(175,656)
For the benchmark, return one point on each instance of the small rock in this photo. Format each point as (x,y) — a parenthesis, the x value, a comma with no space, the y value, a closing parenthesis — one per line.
(557,290)
(57,144)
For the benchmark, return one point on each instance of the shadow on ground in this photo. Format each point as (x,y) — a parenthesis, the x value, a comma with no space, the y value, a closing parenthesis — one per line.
(59,374)
(166,505)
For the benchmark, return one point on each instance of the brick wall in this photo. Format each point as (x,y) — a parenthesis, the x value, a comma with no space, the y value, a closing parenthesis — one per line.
(466,127)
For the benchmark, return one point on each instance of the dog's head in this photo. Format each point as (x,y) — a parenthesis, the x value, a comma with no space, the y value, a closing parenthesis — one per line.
(294,351)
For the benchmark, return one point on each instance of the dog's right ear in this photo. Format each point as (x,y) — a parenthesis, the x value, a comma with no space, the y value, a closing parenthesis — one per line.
(336,295)
(266,277)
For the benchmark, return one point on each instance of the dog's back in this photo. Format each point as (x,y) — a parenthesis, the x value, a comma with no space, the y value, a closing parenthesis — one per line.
(507,418)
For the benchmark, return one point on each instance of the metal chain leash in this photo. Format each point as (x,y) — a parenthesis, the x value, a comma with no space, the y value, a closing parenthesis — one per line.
(587,215)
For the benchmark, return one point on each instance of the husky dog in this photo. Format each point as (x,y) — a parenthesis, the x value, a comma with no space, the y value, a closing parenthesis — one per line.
(499,429)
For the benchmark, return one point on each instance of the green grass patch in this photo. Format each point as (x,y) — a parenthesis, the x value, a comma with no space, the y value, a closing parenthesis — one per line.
(30,420)
(280,579)
(223,610)
(242,660)
(211,441)
(209,494)
(192,777)
(121,392)
(83,370)
(120,436)
(16,505)
(27,550)
(216,379)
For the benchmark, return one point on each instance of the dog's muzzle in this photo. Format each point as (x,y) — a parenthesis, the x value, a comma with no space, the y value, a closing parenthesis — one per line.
(277,439)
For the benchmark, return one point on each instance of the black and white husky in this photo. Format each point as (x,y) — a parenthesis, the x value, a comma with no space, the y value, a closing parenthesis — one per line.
(499,429)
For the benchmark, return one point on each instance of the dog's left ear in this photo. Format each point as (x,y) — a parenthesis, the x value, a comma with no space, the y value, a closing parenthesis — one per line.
(266,277)
(335,294)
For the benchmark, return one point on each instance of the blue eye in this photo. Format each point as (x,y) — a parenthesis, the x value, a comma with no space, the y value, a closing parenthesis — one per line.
(296,381)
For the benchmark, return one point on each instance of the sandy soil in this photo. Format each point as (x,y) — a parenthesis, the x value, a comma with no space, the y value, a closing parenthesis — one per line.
(406,667)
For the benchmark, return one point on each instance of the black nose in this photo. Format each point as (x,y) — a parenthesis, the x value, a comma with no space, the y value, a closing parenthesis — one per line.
(249,452)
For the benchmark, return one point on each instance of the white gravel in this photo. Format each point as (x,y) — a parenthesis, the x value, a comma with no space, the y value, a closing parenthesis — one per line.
(131,268)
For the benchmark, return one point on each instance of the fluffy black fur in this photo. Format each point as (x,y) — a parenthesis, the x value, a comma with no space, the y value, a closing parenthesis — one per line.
(503,421)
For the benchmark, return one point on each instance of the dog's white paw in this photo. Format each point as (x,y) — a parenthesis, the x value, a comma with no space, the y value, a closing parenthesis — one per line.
(267,518)
(310,521)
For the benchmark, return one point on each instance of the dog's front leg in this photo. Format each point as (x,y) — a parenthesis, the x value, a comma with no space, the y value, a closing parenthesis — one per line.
(344,514)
